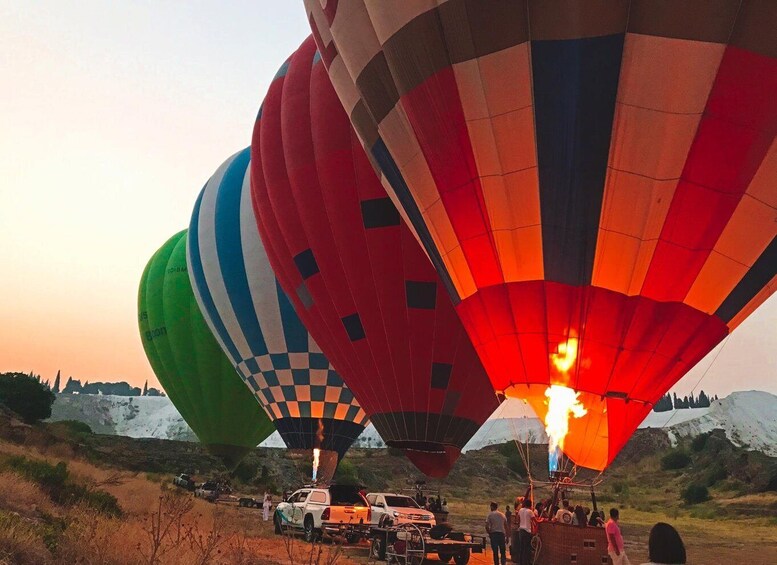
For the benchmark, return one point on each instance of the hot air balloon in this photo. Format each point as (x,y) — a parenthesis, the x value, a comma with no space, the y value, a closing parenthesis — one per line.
(359,280)
(196,375)
(257,326)
(595,182)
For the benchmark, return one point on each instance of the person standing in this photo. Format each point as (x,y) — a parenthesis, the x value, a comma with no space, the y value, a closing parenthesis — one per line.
(266,505)
(509,517)
(496,527)
(665,546)
(525,516)
(615,540)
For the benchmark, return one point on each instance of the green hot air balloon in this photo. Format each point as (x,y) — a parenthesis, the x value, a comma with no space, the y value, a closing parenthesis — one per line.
(195,373)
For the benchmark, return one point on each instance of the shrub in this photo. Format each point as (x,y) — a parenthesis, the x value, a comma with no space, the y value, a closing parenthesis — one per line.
(346,473)
(245,471)
(676,459)
(56,482)
(699,442)
(508,449)
(26,396)
(695,493)
(716,473)
(515,464)
(75,427)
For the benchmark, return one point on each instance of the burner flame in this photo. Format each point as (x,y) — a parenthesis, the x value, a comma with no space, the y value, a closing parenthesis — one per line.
(316,454)
(563,403)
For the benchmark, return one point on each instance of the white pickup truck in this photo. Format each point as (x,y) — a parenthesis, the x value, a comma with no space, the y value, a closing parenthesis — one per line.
(389,508)
(333,510)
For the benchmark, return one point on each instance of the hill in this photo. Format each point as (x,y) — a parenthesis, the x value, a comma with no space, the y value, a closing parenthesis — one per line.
(748,418)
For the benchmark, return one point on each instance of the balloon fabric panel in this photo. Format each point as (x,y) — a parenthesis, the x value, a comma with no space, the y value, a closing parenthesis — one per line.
(189,363)
(616,180)
(256,323)
(380,311)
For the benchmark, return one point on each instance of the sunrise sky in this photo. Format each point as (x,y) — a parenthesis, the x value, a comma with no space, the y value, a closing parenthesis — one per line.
(112,117)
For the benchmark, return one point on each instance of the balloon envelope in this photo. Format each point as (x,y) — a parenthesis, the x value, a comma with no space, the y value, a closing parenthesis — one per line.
(359,280)
(196,375)
(256,324)
(590,176)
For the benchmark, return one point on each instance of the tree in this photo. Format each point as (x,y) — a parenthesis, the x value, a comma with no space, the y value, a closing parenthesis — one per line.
(675,401)
(145,389)
(56,383)
(26,396)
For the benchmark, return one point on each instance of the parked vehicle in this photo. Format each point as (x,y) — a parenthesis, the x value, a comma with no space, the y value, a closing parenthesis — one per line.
(317,511)
(249,502)
(208,490)
(391,508)
(184,481)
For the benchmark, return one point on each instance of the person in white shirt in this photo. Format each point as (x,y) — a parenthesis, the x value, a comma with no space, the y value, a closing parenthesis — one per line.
(564,515)
(266,505)
(496,526)
(524,517)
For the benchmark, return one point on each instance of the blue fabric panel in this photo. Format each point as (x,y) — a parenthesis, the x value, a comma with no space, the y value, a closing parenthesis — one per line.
(199,277)
(295,333)
(229,247)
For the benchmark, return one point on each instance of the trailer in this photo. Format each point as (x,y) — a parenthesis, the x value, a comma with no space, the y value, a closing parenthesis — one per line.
(408,544)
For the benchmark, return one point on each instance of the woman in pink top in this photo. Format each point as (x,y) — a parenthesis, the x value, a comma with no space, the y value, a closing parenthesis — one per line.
(615,540)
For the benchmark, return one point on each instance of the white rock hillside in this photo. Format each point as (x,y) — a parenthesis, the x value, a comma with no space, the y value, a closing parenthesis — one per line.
(749,419)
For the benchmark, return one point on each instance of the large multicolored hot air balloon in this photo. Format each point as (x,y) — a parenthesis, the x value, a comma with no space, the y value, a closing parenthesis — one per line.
(359,280)
(196,375)
(256,324)
(594,181)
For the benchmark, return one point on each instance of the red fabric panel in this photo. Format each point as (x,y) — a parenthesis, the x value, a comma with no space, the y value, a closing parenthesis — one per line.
(436,115)
(312,177)
(738,126)
(627,344)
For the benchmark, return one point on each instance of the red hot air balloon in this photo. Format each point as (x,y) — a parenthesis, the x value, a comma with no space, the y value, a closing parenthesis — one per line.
(595,182)
(361,283)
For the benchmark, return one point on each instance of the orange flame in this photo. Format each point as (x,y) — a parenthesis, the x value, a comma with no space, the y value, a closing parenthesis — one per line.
(563,402)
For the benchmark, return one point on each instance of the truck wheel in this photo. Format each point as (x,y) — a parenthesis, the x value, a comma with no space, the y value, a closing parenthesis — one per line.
(310,531)
(352,538)
(444,557)
(461,558)
(377,549)
(277,521)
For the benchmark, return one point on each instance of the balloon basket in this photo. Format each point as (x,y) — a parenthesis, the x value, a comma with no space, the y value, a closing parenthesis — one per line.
(561,543)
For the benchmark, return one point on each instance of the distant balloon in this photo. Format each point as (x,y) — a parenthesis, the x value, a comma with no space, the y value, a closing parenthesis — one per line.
(595,182)
(256,324)
(359,280)
(196,375)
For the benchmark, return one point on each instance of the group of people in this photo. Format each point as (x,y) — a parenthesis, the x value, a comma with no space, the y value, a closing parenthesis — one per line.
(431,504)
(665,546)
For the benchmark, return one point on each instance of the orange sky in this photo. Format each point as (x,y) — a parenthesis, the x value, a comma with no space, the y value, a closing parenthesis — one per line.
(112,117)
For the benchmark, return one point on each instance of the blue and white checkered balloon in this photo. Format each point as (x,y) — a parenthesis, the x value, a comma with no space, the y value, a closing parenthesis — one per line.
(255,323)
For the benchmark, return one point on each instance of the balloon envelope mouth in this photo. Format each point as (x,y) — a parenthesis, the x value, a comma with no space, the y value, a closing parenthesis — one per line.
(229,455)
(435,464)
(414,445)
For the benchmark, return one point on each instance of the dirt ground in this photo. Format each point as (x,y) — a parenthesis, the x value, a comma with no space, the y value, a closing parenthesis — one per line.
(708,548)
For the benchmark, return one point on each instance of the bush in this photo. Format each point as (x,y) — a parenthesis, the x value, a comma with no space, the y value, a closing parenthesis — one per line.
(75,427)
(245,471)
(508,449)
(26,396)
(346,473)
(699,442)
(515,464)
(675,460)
(695,493)
(56,482)
(716,473)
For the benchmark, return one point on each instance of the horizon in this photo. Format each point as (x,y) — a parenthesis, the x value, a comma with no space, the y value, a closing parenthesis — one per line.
(115,116)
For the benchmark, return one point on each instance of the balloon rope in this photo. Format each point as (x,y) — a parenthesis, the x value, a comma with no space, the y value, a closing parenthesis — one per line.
(704,374)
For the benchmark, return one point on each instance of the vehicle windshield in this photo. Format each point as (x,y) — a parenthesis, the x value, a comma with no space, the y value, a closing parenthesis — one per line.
(401,502)
(344,495)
